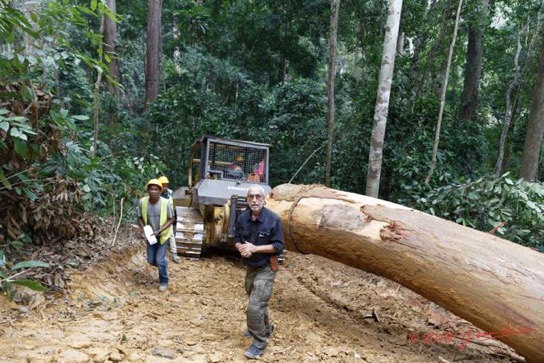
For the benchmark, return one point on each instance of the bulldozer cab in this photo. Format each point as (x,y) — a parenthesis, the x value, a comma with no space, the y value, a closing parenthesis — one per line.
(232,162)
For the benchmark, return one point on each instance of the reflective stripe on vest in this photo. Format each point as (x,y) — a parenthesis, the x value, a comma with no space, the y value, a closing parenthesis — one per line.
(165,235)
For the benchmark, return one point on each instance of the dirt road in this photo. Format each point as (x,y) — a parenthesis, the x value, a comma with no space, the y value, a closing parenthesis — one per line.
(322,311)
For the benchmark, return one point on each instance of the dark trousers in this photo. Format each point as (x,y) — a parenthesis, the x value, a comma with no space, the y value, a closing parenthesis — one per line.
(259,283)
(156,256)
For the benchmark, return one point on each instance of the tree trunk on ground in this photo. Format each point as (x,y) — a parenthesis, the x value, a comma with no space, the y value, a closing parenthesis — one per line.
(385,78)
(495,284)
(153,51)
(535,127)
(335,7)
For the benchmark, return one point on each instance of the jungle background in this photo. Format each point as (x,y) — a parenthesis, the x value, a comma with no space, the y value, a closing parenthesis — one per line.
(97,97)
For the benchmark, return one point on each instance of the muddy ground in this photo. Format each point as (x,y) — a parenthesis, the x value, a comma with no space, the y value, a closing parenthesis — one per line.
(112,311)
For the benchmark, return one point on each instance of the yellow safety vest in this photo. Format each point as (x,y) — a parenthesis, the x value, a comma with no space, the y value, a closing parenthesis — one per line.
(165,235)
(170,199)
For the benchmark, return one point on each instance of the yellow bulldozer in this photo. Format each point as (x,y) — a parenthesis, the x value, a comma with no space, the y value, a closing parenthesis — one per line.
(220,173)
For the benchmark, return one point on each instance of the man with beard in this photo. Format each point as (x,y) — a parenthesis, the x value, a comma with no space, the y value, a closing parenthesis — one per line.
(259,239)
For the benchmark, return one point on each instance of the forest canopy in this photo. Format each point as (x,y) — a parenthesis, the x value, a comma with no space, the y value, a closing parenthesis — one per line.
(96,98)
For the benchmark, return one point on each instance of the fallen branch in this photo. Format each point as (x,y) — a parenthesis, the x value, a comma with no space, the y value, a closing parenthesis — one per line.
(118,223)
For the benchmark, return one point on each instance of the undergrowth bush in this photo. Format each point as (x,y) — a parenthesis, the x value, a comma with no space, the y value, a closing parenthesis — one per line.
(514,209)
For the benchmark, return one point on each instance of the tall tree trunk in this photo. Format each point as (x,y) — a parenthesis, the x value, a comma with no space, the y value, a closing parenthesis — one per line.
(153,51)
(110,35)
(97,97)
(416,60)
(283,56)
(443,95)
(535,127)
(509,110)
(503,158)
(495,284)
(385,79)
(400,43)
(335,7)
(14,4)
(473,67)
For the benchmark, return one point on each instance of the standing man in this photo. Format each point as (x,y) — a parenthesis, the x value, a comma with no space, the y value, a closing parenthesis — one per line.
(168,194)
(157,212)
(259,239)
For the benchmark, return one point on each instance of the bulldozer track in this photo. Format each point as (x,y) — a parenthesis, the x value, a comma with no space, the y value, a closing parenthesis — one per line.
(189,232)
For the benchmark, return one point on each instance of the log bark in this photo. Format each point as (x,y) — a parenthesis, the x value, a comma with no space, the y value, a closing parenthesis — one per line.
(495,284)
(153,51)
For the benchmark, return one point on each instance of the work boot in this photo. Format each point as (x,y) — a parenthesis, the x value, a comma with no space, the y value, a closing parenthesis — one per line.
(254,352)
(176,258)
(163,287)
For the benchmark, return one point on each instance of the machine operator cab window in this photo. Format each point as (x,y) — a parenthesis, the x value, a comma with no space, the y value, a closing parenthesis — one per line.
(233,160)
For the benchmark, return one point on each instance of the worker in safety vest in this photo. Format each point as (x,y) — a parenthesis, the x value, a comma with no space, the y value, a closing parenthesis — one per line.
(169,194)
(156,214)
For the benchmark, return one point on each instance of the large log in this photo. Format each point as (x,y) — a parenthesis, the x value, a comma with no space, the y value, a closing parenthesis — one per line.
(495,284)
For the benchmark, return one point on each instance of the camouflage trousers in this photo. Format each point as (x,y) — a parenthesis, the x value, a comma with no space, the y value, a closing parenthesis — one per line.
(259,283)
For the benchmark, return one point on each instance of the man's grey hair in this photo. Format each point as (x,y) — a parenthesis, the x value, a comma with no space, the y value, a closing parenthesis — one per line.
(258,187)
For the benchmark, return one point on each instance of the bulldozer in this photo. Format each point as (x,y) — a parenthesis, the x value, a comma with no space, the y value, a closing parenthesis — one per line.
(220,172)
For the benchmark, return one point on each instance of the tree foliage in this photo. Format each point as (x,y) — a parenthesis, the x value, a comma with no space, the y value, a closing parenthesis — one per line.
(50,180)
(512,209)
(256,71)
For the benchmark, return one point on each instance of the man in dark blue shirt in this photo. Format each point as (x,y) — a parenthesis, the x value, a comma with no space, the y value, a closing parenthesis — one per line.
(259,238)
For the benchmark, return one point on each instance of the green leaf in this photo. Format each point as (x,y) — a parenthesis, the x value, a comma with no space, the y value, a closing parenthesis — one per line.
(15,132)
(17,244)
(4,180)
(81,117)
(20,148)
(26,264)
(18,118)
(533,206)
(33,285)
(30,194)
(4,125)
(27,93)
